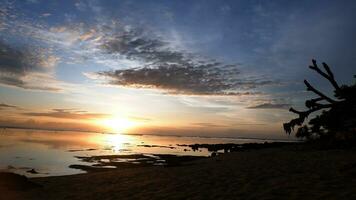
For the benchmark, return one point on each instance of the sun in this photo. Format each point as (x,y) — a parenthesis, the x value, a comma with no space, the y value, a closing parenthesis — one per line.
(116,124)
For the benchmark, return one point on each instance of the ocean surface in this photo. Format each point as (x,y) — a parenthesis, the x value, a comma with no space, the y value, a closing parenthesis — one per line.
(49,153)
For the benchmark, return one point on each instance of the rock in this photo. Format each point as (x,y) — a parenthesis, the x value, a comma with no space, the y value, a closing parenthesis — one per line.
(32,171)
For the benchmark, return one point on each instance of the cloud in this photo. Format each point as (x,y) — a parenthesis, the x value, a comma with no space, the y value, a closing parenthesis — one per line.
(46,14)
(204,79)
(208,125)
(67,114)
(173,79)
(138,58)
(171,70)
(5,106)
(47,125)
(32,1)
(134,44)
(81,6)
(270,106)
(26,67)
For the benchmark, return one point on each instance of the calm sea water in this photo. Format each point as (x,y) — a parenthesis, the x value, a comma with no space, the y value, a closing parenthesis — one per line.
(50,152)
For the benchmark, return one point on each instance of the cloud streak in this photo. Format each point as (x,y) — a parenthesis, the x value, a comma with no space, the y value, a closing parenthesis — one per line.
(7,106)
(208,125)
(270,106)
(67,114)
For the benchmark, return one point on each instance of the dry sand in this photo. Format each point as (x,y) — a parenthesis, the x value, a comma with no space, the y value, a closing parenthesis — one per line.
(272,173)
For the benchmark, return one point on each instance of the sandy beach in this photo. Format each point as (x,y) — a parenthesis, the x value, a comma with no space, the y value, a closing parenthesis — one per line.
(290,172)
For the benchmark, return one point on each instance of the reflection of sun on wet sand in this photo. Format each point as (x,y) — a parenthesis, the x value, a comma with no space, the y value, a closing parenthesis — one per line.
(283,172)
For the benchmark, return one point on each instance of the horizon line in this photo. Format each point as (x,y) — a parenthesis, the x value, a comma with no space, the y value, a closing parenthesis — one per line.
(141,134)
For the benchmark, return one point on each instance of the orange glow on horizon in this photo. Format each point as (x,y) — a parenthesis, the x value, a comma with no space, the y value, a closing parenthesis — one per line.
(116,124)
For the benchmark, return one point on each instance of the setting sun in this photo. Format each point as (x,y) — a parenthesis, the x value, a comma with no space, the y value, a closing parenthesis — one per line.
(116,124)
(154,99)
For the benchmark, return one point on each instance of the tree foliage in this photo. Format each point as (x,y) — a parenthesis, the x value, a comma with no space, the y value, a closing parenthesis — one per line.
(337,119)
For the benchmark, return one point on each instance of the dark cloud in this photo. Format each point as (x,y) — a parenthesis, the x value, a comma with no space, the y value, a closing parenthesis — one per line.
(17,61)
(170,69)
(4,106)
(134,45)
(43,125)
(270,106)
(202,79)
(24,67)
(66,114)
(206,124)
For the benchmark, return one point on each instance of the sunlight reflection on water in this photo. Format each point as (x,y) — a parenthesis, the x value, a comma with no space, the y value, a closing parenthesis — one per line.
(51,152)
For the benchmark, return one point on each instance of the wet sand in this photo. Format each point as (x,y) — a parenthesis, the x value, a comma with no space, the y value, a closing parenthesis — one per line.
(288,172)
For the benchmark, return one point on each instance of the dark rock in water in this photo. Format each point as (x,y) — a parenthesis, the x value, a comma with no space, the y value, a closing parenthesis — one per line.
(113,162)
(75,150)
(11,167)
(159,146)
(13,181)
(32,171)
(231,147)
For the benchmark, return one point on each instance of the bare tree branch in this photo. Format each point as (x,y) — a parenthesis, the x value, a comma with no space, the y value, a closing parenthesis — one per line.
(311,88)
(288,127)
(329,76)
(318,70)
(294,111)
(312,102)
(339,110)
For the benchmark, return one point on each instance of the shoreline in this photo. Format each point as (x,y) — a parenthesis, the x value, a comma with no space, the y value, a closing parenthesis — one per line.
(285,172)
(159,135)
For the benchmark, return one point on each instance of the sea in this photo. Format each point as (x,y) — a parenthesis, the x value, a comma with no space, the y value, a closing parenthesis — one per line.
(40,153)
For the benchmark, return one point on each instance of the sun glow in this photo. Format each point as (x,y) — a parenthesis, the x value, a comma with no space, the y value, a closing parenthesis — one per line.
(116,124)
(116,141)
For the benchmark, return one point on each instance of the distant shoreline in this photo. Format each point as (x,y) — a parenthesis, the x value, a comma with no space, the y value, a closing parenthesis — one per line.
(162,135)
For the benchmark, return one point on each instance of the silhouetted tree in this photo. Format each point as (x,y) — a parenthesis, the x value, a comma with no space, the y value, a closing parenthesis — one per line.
(337,120)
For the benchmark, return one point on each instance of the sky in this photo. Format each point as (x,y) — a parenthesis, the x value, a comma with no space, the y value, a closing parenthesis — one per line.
(203,68)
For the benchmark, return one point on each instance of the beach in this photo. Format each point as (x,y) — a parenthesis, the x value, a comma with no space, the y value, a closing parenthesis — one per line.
(286,172)
(169,99)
